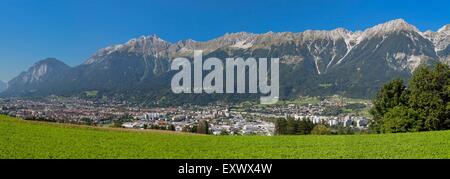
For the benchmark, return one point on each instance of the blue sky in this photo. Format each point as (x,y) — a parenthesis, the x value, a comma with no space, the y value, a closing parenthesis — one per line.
(72,30)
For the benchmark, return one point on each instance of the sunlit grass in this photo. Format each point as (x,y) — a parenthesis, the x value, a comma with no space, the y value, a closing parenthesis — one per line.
(25,139)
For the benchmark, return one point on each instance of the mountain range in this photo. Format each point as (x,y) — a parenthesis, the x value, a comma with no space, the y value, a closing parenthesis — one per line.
(313,62)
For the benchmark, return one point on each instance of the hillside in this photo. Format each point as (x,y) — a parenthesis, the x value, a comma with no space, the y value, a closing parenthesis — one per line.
(25,139)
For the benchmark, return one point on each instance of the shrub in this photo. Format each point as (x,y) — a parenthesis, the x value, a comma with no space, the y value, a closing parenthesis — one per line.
(321,129)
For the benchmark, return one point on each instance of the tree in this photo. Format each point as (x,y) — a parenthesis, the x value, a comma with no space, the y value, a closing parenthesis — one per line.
(171,127)
(203,127)
(391,94)
(292,126)
(423,106)
(341,130)
(194,129)
(305,126)
(430,93)
(281,126)
(401,119)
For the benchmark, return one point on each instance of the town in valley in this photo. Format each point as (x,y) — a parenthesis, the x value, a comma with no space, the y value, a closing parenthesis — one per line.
(246,118)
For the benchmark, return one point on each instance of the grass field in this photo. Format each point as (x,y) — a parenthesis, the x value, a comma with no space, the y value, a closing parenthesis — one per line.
(25,139)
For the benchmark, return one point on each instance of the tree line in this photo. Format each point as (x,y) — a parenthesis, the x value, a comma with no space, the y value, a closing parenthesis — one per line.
(291,126)
(420,105)
(305,126)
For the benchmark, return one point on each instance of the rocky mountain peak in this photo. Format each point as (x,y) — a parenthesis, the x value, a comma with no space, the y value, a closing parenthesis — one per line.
(42,69)
(44,66)
(186,42)
(397,25)
(143,42)
(233,38)
(147,45)
(335,34)
(50,61)
(440,39)
(445,29)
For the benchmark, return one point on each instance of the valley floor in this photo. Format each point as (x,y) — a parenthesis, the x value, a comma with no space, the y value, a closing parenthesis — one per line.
(26,139)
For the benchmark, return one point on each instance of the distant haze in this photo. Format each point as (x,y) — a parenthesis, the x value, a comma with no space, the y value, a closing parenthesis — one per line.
(2,86)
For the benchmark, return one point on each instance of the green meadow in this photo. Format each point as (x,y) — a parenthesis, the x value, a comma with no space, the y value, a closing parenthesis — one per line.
(21,139)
